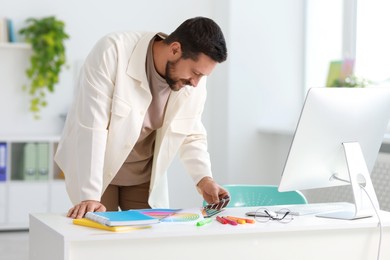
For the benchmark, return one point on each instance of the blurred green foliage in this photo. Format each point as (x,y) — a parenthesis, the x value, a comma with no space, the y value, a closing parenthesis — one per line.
(46,36)
(352,81)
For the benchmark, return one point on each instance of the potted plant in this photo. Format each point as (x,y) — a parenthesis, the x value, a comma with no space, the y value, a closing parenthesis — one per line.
(46,36)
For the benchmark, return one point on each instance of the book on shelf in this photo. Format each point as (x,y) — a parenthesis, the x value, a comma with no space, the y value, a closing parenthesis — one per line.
(3,161)
(30,161)
(11,31)
(93,224)
(42,161)
(122,218)
(3,30)
(36,161)
(7,31)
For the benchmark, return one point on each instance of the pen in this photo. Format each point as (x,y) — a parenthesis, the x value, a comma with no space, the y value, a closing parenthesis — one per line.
(221,220)
(231,222)
(204,222)
(244,220)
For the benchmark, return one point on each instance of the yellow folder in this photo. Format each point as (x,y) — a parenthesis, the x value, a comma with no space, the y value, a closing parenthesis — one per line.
(89,223)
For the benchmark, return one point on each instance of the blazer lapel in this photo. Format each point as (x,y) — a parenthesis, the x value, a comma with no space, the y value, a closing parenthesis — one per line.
(136,67)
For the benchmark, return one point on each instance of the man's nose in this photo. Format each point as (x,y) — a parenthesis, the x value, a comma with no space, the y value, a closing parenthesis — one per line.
(194,82)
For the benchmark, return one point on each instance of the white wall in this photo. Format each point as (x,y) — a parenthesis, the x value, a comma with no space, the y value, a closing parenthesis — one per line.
(87,21)
(266,91)
(258,93)
(260,86)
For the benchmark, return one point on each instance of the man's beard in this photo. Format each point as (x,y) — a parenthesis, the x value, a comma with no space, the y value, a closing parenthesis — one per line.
(174,83)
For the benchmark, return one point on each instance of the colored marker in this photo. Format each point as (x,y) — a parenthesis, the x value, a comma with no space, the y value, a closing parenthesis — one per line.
(244,220)
(221,220)
(238,220)
(231,222)
(204,222)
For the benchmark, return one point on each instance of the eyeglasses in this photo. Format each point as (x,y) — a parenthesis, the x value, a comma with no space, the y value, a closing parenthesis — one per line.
(264,215)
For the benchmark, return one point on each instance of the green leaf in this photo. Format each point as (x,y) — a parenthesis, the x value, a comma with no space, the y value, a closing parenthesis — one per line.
(46,36)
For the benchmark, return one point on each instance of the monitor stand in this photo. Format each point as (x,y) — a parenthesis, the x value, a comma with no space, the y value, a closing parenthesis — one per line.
(365,199)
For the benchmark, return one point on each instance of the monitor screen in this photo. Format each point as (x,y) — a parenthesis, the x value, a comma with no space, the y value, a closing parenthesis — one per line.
(331,118)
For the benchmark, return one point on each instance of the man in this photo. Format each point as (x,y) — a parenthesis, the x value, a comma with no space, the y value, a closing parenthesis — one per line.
(139,101)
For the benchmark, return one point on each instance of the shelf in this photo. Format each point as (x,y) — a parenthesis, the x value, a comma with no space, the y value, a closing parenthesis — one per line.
(287,131)
(290,132)
(386,139)
(33,182)
(16,45)
(29,138)
(32,178)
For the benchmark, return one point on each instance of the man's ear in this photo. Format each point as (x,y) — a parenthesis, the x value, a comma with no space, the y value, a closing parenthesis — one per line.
(175,49)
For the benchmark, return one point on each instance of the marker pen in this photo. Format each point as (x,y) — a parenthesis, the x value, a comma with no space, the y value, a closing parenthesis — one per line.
(231,222)
(221,220)
(204,222)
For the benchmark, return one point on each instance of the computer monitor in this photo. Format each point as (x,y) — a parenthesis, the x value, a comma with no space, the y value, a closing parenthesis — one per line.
(336,142)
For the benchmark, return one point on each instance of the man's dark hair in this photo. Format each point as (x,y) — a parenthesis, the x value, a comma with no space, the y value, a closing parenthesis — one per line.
(200,35)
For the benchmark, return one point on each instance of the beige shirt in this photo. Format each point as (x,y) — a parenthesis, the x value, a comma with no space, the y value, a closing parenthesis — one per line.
(138,166)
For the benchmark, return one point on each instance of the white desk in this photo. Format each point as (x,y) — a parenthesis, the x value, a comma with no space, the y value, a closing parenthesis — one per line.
(54,237)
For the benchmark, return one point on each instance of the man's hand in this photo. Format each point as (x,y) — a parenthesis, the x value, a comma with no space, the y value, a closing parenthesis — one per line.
(85,206)
(211,191)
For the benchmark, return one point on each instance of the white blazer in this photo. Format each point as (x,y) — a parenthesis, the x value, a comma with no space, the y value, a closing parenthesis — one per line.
(105,119)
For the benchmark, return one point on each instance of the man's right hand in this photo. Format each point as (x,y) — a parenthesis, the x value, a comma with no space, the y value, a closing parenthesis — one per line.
(85,206)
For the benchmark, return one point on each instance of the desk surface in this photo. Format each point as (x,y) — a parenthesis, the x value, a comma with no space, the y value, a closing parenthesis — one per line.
(356,239)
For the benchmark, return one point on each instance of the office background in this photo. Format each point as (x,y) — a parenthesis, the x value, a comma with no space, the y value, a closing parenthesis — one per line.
(254,98)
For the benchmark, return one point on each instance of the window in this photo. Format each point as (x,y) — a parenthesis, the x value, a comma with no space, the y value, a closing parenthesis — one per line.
(347,29)
(373,41)
(324,39)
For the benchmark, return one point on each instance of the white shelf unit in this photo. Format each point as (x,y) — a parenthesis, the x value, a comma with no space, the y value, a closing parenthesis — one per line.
(19,196)
(15,45)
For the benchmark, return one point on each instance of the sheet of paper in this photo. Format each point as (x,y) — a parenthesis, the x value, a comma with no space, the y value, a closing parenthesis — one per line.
(185,216)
